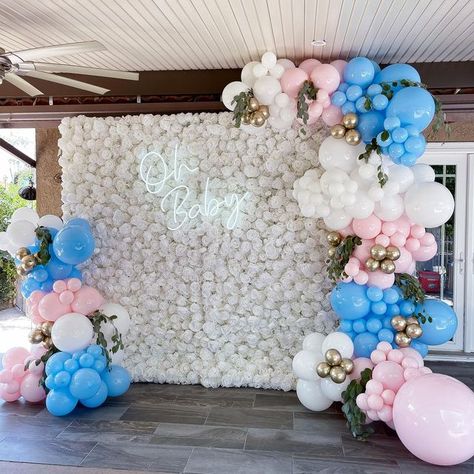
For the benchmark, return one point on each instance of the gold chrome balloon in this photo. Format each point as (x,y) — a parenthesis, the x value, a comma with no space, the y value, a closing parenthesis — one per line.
(387,266)
(412,320)
(414,331)
(352,137)
(402,340)
(28,262)
(47,343)
(323,369)
(22,252)
(21,271)
(246,118)
(332,251)
(393,253)
(378,252)
(333,357)
(253,104)
(399,323)
(337,374)
(35,336)
(347,365)
(263,109)
(372,265)
(338,131)
(258,119)
(334,238)
(350,120)
(46,328)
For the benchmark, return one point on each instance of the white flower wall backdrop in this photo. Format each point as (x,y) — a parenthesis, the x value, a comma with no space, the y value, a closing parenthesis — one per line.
(209,304)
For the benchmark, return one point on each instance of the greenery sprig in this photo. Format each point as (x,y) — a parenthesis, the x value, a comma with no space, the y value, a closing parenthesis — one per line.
(44,358)
(342,254)
(355,417)
(412,290)
(45,238)
(307,93)
(374,147)
(98,318)
(241,102)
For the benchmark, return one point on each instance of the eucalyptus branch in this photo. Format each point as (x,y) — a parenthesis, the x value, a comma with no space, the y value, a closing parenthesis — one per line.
(413,291)
(45,238)
(241,102)
(374,147)
(98,318)
(44,358)
(307,93)
(338,261)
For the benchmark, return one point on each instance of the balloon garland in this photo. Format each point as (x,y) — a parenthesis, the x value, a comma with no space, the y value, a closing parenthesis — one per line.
(64,365)
(377,203)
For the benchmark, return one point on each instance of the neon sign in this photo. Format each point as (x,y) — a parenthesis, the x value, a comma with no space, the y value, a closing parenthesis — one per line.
(156,175)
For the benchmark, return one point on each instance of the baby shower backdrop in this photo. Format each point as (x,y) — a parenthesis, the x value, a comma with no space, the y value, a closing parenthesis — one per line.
(199,237)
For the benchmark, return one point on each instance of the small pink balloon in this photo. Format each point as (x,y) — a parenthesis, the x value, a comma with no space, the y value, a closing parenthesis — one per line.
(346,231)
(59,286)
(327,103)
(361,278)
(354,261)
(31,389)
(374,387)
(412,244)
(417,231)
(325,77)
(15,355)
(331,115)
(309,64)
(384,346)
(390,374)
(12,387)
(388,396)
(377,356)
(35,297)
(18,370)
(381,280)
(361,401)
(351,269)
(372,414)
(425,370)
(389,228)
(9,397)
(66,297)
(408,362)
(425,253)
(340,65)
(36,369)
(398,239)
(292,81)
(395,355)
(428,239)
(404,261)
(383,240)
(322,96)
(375,402)
(362,251)
(315,109)
(37,350)
(51,308)
(367,228)
(411,373)
(413,353)
(386,413)
(74,284)
(360,364)
(6,376)
(403,225)
(87,300)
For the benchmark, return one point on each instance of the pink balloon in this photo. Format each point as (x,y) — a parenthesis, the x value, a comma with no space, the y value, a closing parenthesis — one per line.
(372,415)
(390,374)
(315,109)
(367,228)
(18,370)
(292,81)
(340,65)
(346,231)
(395,355)
(31,390)
(384,346)
(377,356)
(351,269)
(404,261)
(385,413)
(14,356)
(398,239)
(375,402)
(412,268)
(417,231)
(51,308)
(403,224)
(381,280)
(74,284)
(411,373)
(12,387)
(383,240)
(408,363)
(362,251)
(361,401)
(374,387)
(37,350)
(413,353)
(425,253)
(325,77)
(9,397)
(331,115)
(428,239)
(434,419)
(87,300)
(388,396)
(32,367)
(35,297)
(309,64)
(389,228)
(66,297)
(6,376)
(412,245)
(322,96)
(59,286)
(361,278)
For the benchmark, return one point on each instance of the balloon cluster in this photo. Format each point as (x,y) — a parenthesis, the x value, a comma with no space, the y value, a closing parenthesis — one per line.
(347,129)
(82,377)
(335,366)
(41,334)
(407,330)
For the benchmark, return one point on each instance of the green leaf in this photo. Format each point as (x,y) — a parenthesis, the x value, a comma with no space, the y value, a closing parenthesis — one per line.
(98,318)
(241,102)
(306,94)
(385,135)
(344,250)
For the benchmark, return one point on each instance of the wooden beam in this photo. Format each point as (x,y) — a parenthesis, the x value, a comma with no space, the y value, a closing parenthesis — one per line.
(17,153)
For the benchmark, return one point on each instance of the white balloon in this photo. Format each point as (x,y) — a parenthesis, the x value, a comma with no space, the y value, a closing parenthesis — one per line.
(51,221)
(25,214)
(286,63)
(122,323)
(247,76)
(376,193)
(117,357)
(277,71)
(265,89)
(282,100)
(310,395)
(21,233)
(339,341)
(72,332)
(429,204)
(334,153)
(362,207)
(304,364)
(337,219)
(278,123)
(259,70)
(333,390)
(389,208)
(287,114)
(313,342)
(348,199)
(230,91)
(367,171)
(402,175)
(269,59)
(423,173)
(4,241)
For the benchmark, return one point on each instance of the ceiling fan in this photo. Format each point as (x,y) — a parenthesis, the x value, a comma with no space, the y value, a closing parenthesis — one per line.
(18,64)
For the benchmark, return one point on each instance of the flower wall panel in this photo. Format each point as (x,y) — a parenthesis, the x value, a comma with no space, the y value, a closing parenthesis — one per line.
(227,297)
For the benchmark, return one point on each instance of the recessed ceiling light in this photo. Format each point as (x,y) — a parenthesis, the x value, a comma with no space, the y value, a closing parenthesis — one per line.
(319,43)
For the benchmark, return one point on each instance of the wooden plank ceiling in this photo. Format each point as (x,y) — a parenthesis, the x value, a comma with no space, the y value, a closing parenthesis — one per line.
(150,35)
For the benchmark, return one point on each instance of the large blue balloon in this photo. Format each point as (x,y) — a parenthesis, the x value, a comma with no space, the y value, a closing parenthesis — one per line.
(370,125)
(364,344)
(98,398)
(60,402)
(84,223)
(73,244)
(359,71)
(397,72)
(413,106)
(444,322)
(84,383)
(349,300)
(117,380)
(57,269)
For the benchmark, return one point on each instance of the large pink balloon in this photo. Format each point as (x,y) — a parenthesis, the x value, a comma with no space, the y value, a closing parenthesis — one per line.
(14,356)
(434,419)
(9,397)
(360,364)
(367,228)
(340,65)
(309,64)
(51,308)
(390,374)
(325,77)
(292,80)
(31,390)
(87,300)
(381,280)
(331,115)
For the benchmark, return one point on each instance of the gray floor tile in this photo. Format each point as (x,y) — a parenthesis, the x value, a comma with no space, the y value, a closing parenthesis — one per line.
(84,413)
(214,400)
(281,401)
(297,442)
(319,422)
(53,451)
(199,435)
(306,465)
(32,426)
(138,456)
(377,446)
(250,418)
(418,466)
(20,407)
(167,414)
(219,461)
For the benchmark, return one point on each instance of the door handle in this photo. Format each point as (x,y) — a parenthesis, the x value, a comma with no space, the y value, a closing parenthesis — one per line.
(460,259)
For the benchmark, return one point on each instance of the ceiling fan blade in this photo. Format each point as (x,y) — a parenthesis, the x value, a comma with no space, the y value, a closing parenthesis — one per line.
(51,51)
(46,76)
(73,69)
(22,84)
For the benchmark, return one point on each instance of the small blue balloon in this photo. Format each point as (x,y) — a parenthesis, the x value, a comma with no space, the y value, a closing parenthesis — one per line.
(343,86)
(376,66)
(360,105)
(385,335)
(370,125)
(349,300)
(384,142)
(412,131)
(348,108)
(345,325)
(374,325)
(39,274)
(47,286)
(443,325)
(385,150)
(73,244)
(415,145)
(71,365)
(95,350)
(56,362)
(28,286)
(57,269)
(397,72)
(374,89)
(353,93)
(364,344)
(399,135)
(396,150)
(359,326)
(378,308)
(62,378)
(84,383)
(99,365)
(117,380)
(407,308)
(77,355)
(86,360)
(338,98)
(408,159)
(33,248)
(390,296)
(380,102)
(359,71)
(420,347)
(49,382)
(392,310)
(60,402)
(97,399)
(391,123)
(374,294)
(387,322)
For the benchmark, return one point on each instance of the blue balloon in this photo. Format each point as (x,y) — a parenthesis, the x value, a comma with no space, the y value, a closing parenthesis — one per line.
(349,300)
(370,125)
(343,86)
(97,399)
(384,143)
(338,98)
(391,123)
(374,89)
(86,360)
(390,296)
(84,383)
(95,350)
(359,71)
(415,145)
(379,308)
(374,293)
(396,150)
(380,102)
(397,72)
(71,365)
(73,244)
(348,108)
(385,335)
(62,378)
(407,308)
(364,344)
(28,286)
(100,365)
(50,382)
(75,273)
(60,402)
(47,286)
(39,274)
(56,362)
(57,269)
(387,322)
(413,106)
(359,326)
(84,223)
(376,66)
(444,322)
(345,325)
(393,310)
(408,159)
(420,347)
(360,105)
(353,93)
(374,325)
(399,135)
(117,380)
